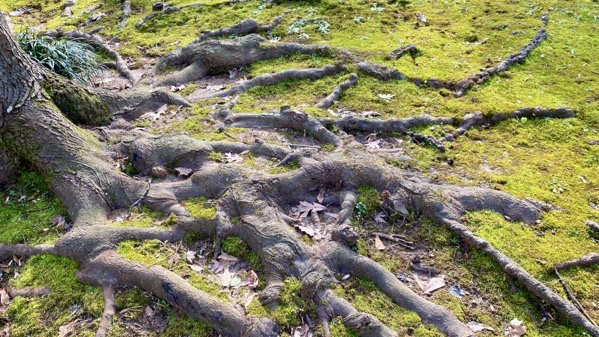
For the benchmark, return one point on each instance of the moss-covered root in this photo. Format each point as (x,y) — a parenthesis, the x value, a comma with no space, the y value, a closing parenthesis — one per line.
(77,103)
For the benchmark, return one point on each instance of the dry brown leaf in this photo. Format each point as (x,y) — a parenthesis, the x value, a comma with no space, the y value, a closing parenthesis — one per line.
(4,297)
(399,206)
(225,278)
(148,312)
(320,196)
(435,283)
(378,243)
(231,158)
(477,327)
(190,256)
(227,258)
(183,172)
(306,207)
(67,329)
(516,329)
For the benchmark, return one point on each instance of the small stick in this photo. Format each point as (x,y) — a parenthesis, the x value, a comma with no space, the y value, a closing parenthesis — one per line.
(572,298)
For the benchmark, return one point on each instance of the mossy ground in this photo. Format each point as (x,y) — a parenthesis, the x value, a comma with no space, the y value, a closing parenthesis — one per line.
(549,160)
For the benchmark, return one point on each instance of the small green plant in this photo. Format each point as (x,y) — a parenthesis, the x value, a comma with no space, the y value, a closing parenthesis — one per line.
(361,210)
(72,59)
(296,27)
(323,26)
(523,120)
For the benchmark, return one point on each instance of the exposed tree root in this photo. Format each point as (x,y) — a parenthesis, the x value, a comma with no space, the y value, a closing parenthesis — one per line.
(173,9)
(272,79)
(28,292)
(67,8)
(81,172)
(214,57)
(126,13)
(401,51)
(109,311)
(584,261)
(511,268)
(286,118)
(245,27)
(462,86)
(120,64)
(334,96)
(593,225)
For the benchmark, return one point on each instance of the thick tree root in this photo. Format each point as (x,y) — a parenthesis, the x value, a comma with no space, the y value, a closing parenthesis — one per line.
(120,64)
(214,56)
(285,118)
(28,292)
(272,79)
(67,8)
(7,251)
(244,27)
(344,260)
(336,94)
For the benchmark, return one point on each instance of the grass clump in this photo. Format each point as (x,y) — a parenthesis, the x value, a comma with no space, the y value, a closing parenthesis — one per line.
(72,59)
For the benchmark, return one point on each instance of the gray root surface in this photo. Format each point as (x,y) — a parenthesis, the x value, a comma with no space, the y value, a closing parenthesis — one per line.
(462,86)
(217,56)
(584,261)
(245,27)
(272,79)
(401,51)
(126,13)
(81,172)
(337,92)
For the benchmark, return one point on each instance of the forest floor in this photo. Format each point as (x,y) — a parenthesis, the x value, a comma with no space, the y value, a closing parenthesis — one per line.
(555,161)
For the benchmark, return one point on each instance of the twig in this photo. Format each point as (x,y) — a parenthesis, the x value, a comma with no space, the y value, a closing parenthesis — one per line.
(572,297)
(138,202)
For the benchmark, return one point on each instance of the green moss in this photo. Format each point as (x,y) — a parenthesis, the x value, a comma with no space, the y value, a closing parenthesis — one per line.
(290,166)
(42,316)
(200,208)
(287,314)
(147,218)
(26,221)
(368,201)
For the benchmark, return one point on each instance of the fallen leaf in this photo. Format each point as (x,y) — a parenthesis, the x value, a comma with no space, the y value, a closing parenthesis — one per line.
(196,268)
(4,297)
(456,291)
(400,207)
(148,312)
(67,329)
(183,172)
(386,96)
(432,285)
(379,218)
(252,279)
(320,196)
(190,255)
(305,208)
(175,88)
(235,281)
(421,17)
(477,327)
(516,329)
(345,277)
(374,145)
(232,158)
(378,243)
(225,278)
(307,230)
(227,258)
